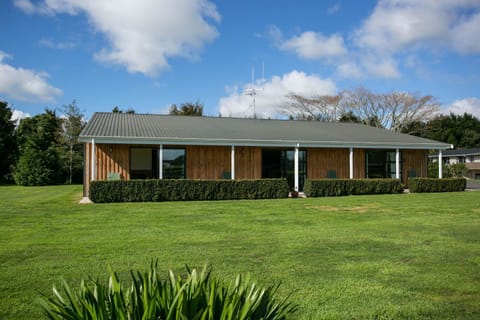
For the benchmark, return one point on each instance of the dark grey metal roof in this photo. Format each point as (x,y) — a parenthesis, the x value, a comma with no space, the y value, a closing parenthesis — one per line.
(458,153)
(166,129)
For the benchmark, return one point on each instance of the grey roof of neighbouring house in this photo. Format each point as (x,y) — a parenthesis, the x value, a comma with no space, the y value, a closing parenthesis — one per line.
(122,128)
(458,153)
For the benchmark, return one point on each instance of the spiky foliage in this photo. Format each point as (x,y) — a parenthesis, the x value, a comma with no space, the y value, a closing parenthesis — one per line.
(197,296)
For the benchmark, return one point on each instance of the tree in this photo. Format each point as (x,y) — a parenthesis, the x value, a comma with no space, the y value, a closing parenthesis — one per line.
(187,109)
(39,161)
(116,109)
(72,125)
(322,108)
(394,110)
(8,144)
(463,131)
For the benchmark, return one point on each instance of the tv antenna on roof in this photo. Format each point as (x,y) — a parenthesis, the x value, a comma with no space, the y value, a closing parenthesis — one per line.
(253,91)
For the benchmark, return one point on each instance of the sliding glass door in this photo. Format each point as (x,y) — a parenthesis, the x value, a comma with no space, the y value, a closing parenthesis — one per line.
(280,163)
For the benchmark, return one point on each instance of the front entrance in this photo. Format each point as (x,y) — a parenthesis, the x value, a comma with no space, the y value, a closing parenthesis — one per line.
(278,163)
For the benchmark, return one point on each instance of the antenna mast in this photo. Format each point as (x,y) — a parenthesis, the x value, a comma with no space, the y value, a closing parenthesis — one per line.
(252,91)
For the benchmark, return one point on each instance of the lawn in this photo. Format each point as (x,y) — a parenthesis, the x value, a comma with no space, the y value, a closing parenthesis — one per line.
(410,256)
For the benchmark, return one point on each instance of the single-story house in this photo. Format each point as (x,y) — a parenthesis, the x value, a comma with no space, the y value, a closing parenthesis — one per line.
(148,146)
(470,157)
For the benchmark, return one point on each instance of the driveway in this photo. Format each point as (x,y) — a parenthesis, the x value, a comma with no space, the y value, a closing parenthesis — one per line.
(473,184)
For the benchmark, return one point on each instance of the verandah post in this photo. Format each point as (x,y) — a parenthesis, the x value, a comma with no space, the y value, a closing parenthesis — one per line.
(296,171)
(397,164)
(440,162)
(351,163)
(232,163)
(93,164)
(160,162)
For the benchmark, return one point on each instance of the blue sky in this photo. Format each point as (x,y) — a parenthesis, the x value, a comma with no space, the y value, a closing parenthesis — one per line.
(147,55)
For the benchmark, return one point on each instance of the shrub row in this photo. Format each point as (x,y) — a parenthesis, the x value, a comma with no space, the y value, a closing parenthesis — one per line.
(437,185)
(343,187)
(185,190)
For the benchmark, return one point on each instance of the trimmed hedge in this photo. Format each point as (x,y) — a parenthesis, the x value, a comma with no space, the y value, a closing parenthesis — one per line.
(437,185)
(344,187)
(186,190)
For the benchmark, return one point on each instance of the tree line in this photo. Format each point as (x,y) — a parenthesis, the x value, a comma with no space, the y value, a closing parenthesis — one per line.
(43,149)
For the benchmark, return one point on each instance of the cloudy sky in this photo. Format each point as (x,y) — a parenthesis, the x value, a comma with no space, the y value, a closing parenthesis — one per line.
(149,54)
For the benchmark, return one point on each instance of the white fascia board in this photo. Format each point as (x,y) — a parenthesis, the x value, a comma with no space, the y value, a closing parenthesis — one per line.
(262,143)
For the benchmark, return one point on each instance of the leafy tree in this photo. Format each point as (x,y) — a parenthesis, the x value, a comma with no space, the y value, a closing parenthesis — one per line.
(116,109)
(72,125)
(187,109)
(463,131)
(349,117)
(8,144)
(39,161)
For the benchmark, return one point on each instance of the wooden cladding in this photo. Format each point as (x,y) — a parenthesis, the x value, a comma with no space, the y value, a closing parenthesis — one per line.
(214,162)
(248,163)
(207,162)
(108,158)
(113,158)
(211,162)
(321,161)
(414,162)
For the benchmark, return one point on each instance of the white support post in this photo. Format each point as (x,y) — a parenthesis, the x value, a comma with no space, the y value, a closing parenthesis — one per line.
(350,161)
(232,163)
(440,164)
(93,164)
(296,171)
(397,164)
(160,162)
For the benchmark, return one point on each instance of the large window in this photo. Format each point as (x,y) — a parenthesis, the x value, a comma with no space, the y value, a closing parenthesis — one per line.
(144,163)
(381,164)
(174,164)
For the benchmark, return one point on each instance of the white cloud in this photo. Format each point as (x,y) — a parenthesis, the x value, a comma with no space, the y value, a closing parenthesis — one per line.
(49,43)
(468,105)
(25,84)
(349,70)
(18,115)
(384,67)
(334,9)
(142,35)
(397,25)
(272,95)
(465,35)
(410,26)
(314,45)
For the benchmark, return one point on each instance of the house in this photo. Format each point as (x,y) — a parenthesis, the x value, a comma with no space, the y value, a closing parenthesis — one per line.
(147,146)
(470,157)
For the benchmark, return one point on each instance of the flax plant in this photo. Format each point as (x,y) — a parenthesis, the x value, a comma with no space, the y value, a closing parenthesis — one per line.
(197,297)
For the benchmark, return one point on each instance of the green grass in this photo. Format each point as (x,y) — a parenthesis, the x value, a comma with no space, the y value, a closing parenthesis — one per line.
(410,256)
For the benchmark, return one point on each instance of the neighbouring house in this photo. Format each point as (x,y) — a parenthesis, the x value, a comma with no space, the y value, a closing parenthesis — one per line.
(470,157)
(149,146)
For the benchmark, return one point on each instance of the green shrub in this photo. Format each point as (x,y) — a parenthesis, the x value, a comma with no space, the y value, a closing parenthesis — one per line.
(197,296)
(449,170)
(180,190)
(437,185)
(343,187)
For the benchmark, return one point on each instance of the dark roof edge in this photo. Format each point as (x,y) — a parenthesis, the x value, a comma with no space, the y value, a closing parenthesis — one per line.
(262,143)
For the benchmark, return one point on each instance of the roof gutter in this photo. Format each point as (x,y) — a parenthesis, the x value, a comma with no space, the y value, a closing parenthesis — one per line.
(263,143)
